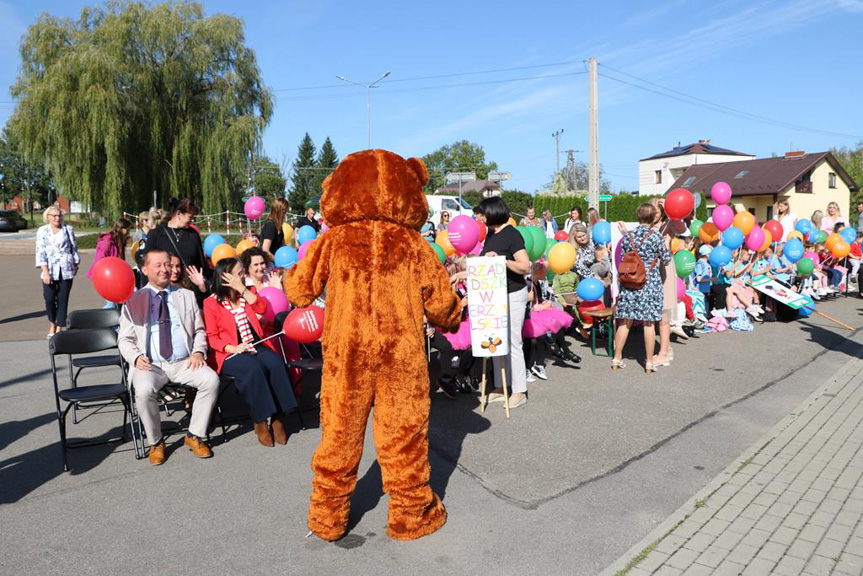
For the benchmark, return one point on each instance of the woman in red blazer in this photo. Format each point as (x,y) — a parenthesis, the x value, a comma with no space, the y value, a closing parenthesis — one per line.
(259,372)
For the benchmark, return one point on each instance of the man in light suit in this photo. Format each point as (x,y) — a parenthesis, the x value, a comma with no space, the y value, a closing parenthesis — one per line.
(162,338)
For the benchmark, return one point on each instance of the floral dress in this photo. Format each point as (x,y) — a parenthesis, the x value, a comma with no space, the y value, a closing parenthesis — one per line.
(585,257)
(645,303)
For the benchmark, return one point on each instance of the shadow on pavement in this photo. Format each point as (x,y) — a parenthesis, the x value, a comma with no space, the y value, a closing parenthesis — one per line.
(25,378)
(831,340)
(14,430)
(20,317)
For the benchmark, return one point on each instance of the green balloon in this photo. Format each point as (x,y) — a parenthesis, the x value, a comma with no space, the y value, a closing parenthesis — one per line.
(684,263)
(549,276)
(441,255)
(805,266)
(695,227)
(551,242)
(538,242)
(528,238)
(822,237)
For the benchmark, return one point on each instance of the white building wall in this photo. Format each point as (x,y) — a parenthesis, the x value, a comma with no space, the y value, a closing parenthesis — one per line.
(671,168)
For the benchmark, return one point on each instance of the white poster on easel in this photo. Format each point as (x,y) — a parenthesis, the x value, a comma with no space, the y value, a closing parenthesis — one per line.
(488,306)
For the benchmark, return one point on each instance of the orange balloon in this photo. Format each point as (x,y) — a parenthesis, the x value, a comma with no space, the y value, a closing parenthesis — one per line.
(708,233)
(841,249)
(795,234)
(442,240)
(768,240)
(676,245)
(511,221)
(745,221)
(288,231)
(223,251)
(244,245)
(832,240)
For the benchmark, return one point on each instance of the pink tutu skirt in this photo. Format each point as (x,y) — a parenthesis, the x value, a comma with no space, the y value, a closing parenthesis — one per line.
(461,339)
(542,321)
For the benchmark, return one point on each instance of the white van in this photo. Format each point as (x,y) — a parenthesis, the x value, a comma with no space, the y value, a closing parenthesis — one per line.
(449,203)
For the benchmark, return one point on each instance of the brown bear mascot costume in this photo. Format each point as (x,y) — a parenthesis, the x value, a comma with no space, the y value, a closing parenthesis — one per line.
(381,278)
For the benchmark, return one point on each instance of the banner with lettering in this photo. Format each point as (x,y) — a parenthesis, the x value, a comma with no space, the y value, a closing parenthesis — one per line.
(488,306)
(777,291)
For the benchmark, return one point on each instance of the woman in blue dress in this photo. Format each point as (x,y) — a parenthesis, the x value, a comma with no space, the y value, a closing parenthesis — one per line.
(644,304)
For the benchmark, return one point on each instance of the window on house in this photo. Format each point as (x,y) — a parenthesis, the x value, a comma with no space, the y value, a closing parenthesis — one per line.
(657,177)
(742,173)
(689,182)
(769,212)
(831,180)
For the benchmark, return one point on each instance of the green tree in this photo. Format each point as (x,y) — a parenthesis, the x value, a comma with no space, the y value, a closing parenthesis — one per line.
(303,177)
(576,178)
(21,178)
(269,180)
(327,161)
(461,156)
(852,160)
(135,97)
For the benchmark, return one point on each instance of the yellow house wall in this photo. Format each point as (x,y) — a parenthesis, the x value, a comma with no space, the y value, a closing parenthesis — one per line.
(805,204)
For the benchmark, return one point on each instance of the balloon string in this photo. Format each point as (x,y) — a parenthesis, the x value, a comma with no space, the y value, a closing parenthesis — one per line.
(258,342)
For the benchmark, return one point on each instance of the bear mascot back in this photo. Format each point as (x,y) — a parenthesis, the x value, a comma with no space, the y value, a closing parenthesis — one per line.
(381,278)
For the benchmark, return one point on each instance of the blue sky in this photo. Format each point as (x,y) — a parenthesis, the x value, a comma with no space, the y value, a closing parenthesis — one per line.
(797,61)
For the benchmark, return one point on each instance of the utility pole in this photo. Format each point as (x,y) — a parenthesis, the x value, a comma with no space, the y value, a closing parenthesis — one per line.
(556,136)
(593,136)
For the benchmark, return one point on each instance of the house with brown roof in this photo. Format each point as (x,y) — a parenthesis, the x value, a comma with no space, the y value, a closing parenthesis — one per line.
(808,181)
(658,172)
(488,188)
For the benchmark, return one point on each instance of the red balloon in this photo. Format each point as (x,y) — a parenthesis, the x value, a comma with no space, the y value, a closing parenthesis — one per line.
(775,229)
(679,204)
(482,231)
(113,279)
(561,236)
(305,324)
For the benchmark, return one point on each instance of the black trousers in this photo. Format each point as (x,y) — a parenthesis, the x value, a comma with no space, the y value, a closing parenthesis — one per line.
(536,349)
(263,381)
(56,296)
(466,363)
(717,297)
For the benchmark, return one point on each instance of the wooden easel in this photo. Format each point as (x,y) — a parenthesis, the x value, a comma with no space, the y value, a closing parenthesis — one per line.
(482,398)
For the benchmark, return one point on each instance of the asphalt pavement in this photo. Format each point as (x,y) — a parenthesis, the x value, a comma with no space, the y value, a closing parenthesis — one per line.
(592,464)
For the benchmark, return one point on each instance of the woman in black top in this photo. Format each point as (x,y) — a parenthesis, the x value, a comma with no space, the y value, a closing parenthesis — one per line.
(177,237)
(272,235)
(504,240)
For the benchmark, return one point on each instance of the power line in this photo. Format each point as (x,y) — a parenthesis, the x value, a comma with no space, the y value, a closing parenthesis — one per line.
(716,107)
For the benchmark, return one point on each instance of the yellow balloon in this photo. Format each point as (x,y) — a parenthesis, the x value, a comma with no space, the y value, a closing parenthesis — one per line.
(677,245)
(511,222)
(561,257)
(442,240)
(244,245)
(288,231)
(768,240)
(223,251)
(795,234)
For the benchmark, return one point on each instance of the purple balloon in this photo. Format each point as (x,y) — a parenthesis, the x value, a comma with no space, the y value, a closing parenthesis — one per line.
(755,238)
(254,207)
(463,233)
(277,302)
(723,216)
(720,193)
(303,249)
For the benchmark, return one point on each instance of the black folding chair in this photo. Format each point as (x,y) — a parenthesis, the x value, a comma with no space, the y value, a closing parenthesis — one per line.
(89,341)
(82,320)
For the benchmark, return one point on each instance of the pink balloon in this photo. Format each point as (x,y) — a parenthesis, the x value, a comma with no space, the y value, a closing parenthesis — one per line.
(277,302)
(463,233)
(723,216)
(755,238)
(681,289)
(324,227)
(301,253)
(812,256)
(721,193)
(254,207)
(477,250)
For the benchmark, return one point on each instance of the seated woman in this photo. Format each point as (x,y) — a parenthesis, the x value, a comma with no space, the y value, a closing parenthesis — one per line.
(259,372)
(255,262)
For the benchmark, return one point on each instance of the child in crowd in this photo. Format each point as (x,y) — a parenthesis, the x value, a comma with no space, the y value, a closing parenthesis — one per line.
(739,295)
(702,273)
(602,270)
(564,288)
(544,328)
(855,257)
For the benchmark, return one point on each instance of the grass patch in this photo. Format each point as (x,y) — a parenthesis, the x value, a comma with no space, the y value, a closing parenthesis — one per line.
(744,464)
(700,503)
(87,242)
(650,548)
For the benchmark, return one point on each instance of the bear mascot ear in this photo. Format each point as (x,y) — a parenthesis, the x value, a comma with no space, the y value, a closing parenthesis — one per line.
(419,168)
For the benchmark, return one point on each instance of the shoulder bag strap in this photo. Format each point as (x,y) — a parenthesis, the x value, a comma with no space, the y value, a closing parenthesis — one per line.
(177,248)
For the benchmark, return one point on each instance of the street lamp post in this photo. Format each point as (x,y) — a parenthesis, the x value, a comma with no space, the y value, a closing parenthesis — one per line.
(368,88)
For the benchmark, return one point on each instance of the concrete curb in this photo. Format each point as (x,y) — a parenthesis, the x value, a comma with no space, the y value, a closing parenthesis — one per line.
(668,526)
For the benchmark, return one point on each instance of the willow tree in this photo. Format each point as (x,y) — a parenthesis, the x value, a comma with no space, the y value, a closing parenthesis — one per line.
(133,97)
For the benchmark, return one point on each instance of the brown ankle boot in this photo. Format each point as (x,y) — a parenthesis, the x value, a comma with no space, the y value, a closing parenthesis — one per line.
(262,431)
(280,435)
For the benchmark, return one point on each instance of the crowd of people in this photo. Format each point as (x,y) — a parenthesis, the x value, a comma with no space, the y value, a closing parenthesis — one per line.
(190,321)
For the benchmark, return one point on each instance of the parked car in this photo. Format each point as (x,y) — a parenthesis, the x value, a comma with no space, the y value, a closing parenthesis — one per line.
(448,203)
(11,221)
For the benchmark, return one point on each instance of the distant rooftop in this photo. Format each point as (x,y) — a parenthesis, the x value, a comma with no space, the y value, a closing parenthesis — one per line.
(472,186)
(700,147)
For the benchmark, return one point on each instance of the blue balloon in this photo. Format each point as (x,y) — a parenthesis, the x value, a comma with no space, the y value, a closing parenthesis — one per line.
(720,256)
(807,309)
(590,289)
(286,257)
(210,243)
(305,234)
(849,234)
(602,232)
(793,250)
(804,225)
(733,238)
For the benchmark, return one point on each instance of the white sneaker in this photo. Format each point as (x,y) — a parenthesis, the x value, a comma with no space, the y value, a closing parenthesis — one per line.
(539,371)
(530,377)
(753,312)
